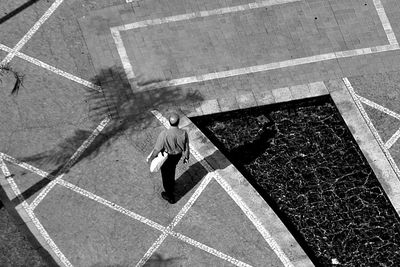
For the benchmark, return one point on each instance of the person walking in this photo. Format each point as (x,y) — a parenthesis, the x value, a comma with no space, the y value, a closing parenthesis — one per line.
(175,142)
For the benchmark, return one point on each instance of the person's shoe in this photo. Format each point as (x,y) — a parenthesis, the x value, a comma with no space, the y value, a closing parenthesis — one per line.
(167,198)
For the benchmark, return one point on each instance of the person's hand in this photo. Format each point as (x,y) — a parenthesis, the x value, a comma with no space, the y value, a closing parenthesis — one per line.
(185,160)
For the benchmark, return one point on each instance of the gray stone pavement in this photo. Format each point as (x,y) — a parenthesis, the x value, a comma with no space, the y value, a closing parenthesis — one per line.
(56,111)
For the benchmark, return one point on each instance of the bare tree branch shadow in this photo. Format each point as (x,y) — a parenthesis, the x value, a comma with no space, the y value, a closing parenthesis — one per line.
(156,260)
(129,112)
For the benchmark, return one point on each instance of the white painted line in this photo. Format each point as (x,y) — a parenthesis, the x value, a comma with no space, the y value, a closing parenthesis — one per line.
(53,69)
(150,223)
(31,32)
(209,249)
(266,235)
(176,220)
(25,166)
(70,162)
(115,31)
(393,139)
(385,22)
(32,216)
(378,107)
(122,53)
(371,126)
(111,205)
(393,44)
(202,14)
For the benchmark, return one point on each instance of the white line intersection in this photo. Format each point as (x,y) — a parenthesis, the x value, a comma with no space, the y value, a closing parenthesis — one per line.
(15,52)
(165,230)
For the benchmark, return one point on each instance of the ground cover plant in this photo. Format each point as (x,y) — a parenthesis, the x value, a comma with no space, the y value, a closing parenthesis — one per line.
(310,170)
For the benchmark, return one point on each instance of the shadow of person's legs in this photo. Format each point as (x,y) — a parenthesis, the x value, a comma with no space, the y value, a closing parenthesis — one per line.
(189,179)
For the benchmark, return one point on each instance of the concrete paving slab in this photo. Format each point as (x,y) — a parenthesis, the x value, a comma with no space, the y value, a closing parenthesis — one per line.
(385,124)
(59,42)
(91,234)
(120,174)
(46,100)
(30,184)
(383,88)
(395,152)
(217,221)
(174,252)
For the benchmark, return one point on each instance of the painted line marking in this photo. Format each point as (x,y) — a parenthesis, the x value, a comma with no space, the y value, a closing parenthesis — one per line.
(53,69)
(378,107)
(115,31)
(393,114)
(164,230)
(385,22)
(31,32)
(371,126)
(392,140)
(252,217)
(176,220)
(25,166)
(31,215)
(70,162)
(122,53)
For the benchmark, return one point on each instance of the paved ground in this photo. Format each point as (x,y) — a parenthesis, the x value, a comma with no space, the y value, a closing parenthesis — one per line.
(95,70)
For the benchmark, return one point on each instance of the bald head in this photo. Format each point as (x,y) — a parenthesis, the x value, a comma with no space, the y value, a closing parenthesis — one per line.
(174,119)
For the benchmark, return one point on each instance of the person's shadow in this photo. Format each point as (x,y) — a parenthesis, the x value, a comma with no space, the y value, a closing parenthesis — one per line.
(222,158)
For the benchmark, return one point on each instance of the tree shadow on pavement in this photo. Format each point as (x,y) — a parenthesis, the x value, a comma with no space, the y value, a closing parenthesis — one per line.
(129,111)
(156,260)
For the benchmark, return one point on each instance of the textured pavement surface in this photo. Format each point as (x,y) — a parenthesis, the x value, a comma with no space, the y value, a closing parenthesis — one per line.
(92,59)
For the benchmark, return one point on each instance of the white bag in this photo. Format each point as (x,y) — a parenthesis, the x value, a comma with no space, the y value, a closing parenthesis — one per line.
(158,161)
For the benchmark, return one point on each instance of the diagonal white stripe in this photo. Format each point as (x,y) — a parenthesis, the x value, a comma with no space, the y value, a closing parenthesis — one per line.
(393,139)
(266,235)
(164,230)
(53,69)
(70,162)
(372,127)
(32,216)
(385,22)
(176,220)
(378,107)
(31,32)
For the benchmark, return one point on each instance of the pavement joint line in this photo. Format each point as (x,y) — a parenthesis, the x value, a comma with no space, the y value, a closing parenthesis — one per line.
(252,217)
(393,139)
(371,127)
(70,162)
(378,107)
(53,69)
(31,32)
(144,220)
(31,215)
(176,220)
(385,22)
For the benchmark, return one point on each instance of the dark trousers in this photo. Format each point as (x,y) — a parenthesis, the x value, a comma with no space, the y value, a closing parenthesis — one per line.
(168,173)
